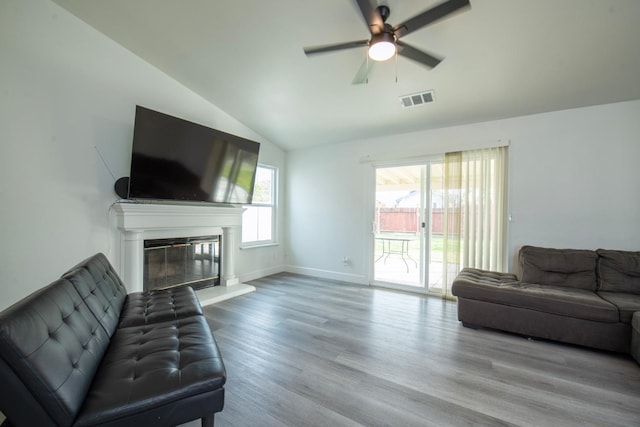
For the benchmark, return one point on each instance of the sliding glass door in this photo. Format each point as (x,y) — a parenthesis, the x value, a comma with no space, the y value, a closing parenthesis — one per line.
(407,230)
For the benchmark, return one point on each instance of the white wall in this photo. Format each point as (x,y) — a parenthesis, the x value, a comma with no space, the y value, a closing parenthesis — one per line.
(68,93)
(68,96)
(574,182)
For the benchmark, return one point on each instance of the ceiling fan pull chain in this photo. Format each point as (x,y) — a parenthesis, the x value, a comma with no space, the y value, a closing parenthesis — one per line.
(366,55)
(396,65)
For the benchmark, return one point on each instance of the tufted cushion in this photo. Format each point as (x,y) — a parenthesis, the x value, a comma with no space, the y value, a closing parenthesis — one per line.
(101,289)
(572,268)
(478,276)
(149,366)
(54,344)
(470,282)
(150,307)
(619,271)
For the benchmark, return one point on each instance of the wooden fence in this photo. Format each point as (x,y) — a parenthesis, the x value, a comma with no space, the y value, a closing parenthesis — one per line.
(407,220)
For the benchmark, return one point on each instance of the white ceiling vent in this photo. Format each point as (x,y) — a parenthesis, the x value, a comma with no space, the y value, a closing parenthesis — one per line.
(417,99)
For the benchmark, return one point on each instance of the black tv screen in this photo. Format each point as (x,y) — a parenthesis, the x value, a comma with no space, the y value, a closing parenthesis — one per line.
(174,159)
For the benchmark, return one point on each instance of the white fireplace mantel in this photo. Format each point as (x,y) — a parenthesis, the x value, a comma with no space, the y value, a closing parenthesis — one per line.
(138,222)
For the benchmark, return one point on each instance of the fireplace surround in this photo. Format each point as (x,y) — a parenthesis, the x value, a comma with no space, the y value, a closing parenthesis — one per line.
(137,222)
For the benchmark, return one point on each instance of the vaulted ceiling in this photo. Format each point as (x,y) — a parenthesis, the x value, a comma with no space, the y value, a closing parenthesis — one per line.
(502,58)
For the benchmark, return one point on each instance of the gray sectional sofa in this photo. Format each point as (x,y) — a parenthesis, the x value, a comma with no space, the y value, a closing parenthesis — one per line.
(575,296)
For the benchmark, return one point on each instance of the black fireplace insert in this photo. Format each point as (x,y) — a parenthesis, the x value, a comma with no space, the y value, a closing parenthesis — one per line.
(193,261)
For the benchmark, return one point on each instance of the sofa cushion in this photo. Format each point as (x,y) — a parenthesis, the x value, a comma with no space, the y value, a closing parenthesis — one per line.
(151,366)
(476,275)
(101,289)
(619,271)
(54,345)
(141,308)
(577,303)
(571,268)
(627,303)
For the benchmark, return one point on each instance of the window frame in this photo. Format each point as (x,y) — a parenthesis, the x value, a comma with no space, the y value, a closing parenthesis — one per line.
(273,206)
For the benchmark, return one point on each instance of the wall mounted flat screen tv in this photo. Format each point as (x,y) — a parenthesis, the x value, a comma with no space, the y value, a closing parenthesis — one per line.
(177,160)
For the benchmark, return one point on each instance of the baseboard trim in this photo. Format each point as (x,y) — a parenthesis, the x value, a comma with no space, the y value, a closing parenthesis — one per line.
(214,294)
(257,274)
(327,274)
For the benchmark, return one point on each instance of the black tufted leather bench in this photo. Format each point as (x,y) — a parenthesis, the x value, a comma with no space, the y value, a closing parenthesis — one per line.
(83,352)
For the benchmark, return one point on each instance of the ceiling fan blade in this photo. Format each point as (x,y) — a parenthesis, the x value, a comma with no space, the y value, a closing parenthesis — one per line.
(362,76)
(417,55)
(333,47)
(425,18)
(371,16)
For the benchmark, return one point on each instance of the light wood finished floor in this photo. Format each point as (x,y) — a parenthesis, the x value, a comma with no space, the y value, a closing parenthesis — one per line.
(302,351)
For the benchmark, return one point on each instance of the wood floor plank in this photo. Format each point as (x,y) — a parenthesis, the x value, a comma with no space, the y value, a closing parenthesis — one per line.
(302,351)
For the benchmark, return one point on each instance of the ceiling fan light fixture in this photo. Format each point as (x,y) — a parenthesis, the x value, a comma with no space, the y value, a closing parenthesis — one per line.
(382,47)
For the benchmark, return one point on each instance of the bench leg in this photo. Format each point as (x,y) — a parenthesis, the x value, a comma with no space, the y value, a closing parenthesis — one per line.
(207,421)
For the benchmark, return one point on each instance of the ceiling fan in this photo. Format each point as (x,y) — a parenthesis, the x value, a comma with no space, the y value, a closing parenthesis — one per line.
(385,39)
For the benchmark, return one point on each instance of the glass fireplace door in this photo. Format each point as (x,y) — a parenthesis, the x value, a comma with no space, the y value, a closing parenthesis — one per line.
(193,261)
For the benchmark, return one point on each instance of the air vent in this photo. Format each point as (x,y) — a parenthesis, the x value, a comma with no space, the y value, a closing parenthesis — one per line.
(417,99)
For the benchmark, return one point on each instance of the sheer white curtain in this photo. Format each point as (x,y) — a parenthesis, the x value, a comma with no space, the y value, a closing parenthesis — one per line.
(475,220)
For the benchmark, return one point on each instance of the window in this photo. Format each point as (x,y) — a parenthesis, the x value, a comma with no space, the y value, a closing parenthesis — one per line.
(258,220)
